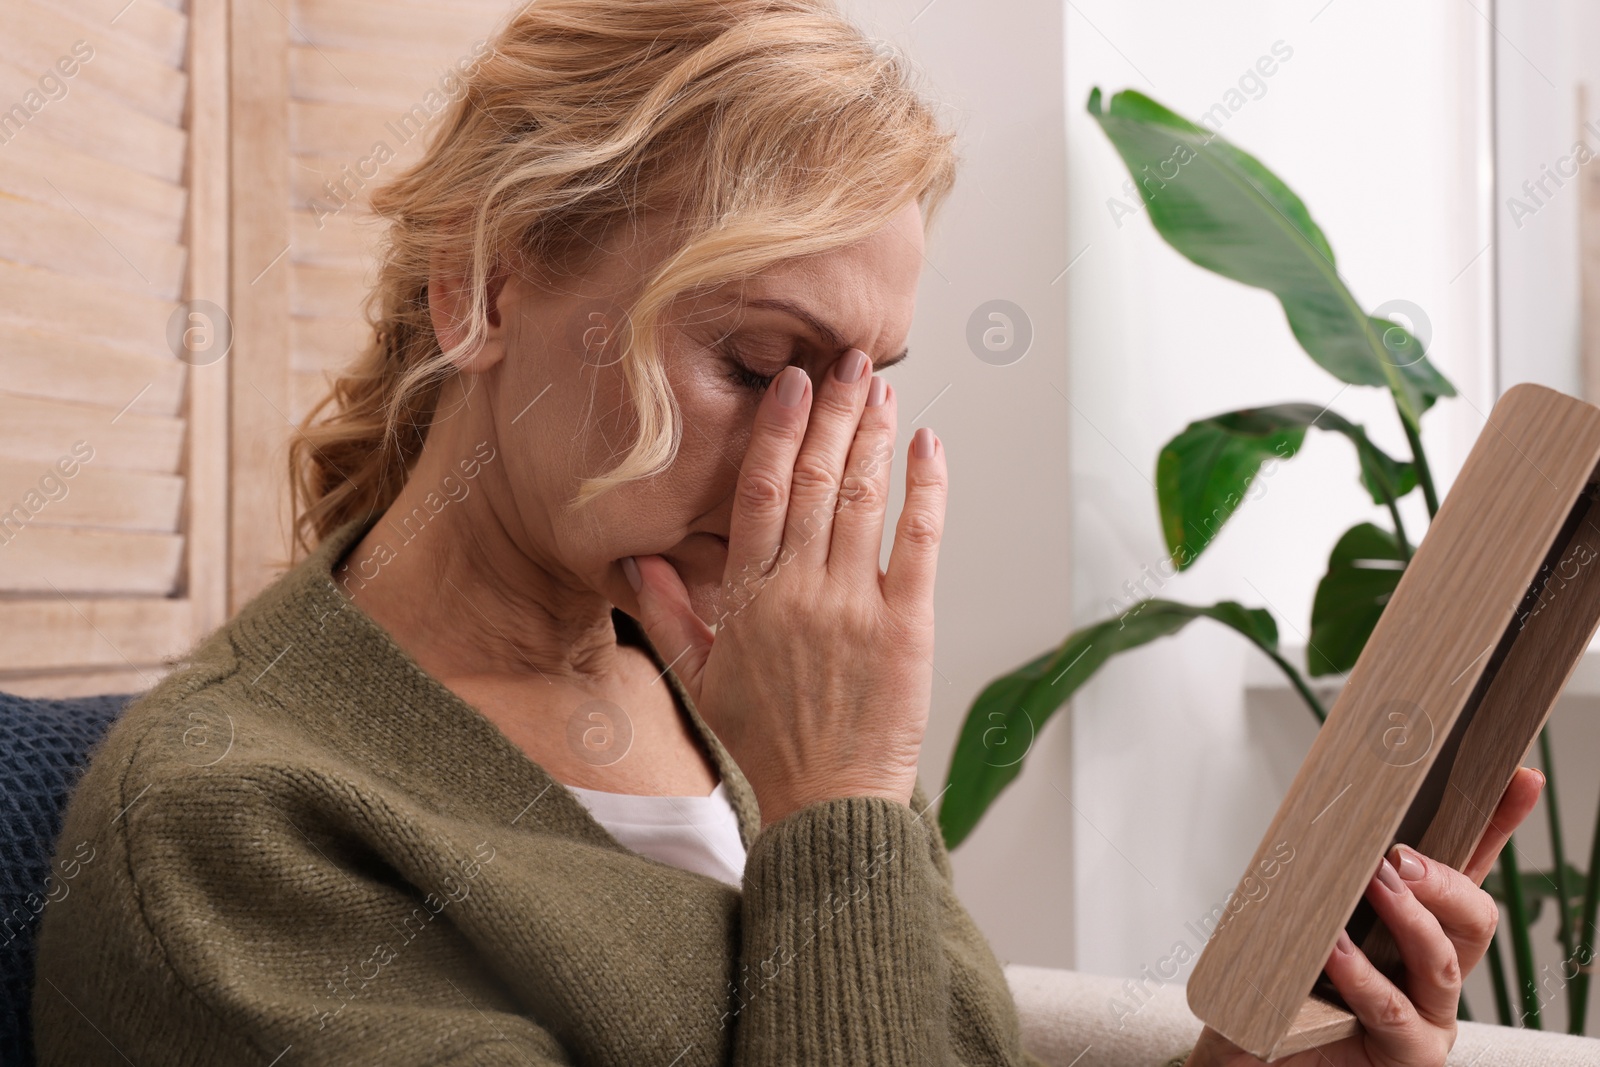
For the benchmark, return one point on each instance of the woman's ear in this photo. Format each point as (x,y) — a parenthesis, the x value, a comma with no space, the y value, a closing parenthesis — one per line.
(450,308)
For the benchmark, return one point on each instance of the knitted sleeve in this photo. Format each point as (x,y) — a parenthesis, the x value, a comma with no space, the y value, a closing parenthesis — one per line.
(855,949)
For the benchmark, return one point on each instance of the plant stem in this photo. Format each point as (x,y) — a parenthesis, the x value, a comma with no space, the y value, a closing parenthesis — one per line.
(1399,528)
(1419,459)
(1390,498)
(1497,976)
(1586,937)
(1521,944)
(1463,1012)
(1298,682)
(1559,849)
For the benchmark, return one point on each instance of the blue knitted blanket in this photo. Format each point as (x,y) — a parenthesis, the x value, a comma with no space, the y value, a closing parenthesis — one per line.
(44,746)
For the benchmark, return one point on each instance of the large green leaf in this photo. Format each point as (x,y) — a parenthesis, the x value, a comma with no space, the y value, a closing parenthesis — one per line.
(1226,212)
(1385,477)
(1002,723)
(1363,570)
(1206,472)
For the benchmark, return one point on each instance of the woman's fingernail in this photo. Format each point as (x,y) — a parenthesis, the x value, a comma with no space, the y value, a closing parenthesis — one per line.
(1345,946)
(791,386)
(631,569)
(850,365)
(876,391)
(922,443)
(1408,863)
(1390,879)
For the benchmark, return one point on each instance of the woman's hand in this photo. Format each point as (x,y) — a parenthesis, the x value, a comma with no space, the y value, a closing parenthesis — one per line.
(1442,922)
(817,677)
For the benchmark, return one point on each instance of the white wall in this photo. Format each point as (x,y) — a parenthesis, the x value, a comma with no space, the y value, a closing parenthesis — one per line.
(1004,567)
(1379,120)
(1376,121)
(1547,52)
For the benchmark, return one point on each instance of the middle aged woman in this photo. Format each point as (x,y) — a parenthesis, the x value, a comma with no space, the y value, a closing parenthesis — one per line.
(588,731)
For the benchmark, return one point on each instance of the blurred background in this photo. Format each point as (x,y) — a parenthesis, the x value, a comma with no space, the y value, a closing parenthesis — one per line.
(183,250)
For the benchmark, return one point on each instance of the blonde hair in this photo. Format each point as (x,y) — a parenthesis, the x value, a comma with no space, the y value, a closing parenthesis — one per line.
(762,129)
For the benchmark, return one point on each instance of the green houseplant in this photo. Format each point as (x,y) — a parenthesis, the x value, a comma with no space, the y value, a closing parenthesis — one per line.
(1222,209)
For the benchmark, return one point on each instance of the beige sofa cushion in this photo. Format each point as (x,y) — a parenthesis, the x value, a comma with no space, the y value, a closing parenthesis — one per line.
(1073,1020)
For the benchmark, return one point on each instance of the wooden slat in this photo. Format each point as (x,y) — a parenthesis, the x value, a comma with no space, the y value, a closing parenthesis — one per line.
(157,29)
(483,13)
(328,292)
(41,299)
(345,240)
(369,78)
(205,463)
(259,87)
(60,239)
(421,31)
(89,562)
(41,38)
(60,634)
(338,185)
(104,192)
(487,13)
(327,344)
(42,431)
(351,133)
(77,683)
(307,388)
(90,496)
(66,367)
(94,122)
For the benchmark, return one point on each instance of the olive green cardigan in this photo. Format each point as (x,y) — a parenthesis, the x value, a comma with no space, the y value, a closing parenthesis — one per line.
(304,849)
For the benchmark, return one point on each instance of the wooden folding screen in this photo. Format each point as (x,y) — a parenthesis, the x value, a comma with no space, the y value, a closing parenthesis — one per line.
(172,170)
(112,448)
(346,92)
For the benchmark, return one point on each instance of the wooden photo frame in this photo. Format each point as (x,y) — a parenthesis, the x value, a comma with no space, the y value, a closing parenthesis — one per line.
(1483,631)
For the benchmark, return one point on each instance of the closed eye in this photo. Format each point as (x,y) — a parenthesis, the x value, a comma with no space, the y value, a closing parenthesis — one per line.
(749,379)
(740,372)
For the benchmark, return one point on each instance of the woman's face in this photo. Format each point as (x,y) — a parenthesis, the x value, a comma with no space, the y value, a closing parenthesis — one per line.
(560,410)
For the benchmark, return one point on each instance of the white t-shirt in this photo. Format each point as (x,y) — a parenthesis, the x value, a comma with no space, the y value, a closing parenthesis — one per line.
(698,834)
